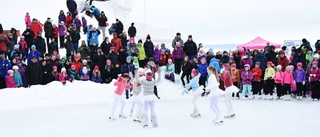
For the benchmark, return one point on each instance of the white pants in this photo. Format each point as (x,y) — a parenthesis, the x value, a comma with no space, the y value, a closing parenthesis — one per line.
(195,97)
(227,101)
(150,104)
(137,100)
(214,106)
(117,98)
(103,29)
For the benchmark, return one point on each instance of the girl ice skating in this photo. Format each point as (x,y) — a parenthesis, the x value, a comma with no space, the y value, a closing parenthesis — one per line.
(137,98)
(197,91)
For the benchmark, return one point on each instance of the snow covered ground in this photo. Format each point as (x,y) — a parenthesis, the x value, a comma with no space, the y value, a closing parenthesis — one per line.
(81,109)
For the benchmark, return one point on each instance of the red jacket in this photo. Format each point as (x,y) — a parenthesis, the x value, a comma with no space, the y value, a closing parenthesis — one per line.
(55,33)
(35,27)
(227,80)
(23,47)
(284,62)
(164,59)
(77,65)
(257,73)
(117,43)
(3,44)
(68,21)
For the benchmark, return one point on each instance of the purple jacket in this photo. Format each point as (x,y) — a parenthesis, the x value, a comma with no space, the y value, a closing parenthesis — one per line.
(22,71)
(62,30)
(156,55)
(178,54)
(245,61)
(246,77)
(84,22)
(315,72)
(78,23)
(62,17)
(299,76)
(56,76)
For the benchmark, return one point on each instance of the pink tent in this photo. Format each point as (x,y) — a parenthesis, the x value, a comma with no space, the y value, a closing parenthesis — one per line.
(258,43)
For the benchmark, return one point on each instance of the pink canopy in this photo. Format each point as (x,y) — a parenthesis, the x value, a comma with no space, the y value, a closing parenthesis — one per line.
(258,43)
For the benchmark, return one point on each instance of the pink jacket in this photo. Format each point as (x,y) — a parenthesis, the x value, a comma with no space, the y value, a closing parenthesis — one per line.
(121,86)
(10,82)
(314,74)
(27,20)
(287,78)
(278,77)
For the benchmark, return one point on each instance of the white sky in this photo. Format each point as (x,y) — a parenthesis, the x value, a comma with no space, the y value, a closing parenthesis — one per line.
(210,22)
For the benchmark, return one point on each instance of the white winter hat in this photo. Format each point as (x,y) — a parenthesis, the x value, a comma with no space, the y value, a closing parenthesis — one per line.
(279,67)
(63,70)
(140,70)
(15,67)
(16,46)
(316,56)
(84,61)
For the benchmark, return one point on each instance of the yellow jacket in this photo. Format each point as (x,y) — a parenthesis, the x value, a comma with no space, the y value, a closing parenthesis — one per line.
(269,73)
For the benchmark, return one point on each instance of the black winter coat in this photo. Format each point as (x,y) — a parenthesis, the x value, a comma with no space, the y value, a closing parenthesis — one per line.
(75,37)
(132,31)
(48,29)
(15,37)
(46,74)
(186,68)
(190,48)
(102,20)
(34,73)
(263,61)
(119,27)
(105,47)
(148,47)
(28,37)
(72,5)
(113,57)
(40,44)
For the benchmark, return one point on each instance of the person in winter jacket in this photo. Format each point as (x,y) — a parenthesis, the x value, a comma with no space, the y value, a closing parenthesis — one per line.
(262,60)
(10,45)
(40,44)
(33,53)
(210,55)
(272,56)
(68,45)
(157,55)
(102,21)
(77,23)
(105,46)
(28,35)
(201,54)
(55,32)
(63,76)
(119,27)
(176,39)
(235,75)
(246,76)
(16,52)
(283,61)
(278,81)
(96,75)
(245,60)
(132,31)
(116,42)
(294,59)
(62,16)
(5,65)
(53,46)
(95,12)
(55,73)
(169,71)
(84,50)
(93,36)
(202,68)
(23,47)
(87,8)
(10,83)
(165,57)
(16,76)
(62,30)
(27,19)
(22,69)
(84,25)
(190,48)
(72,7)
(75,37)
(186,70)
(132,49)
(69,20)
(214,62)
(85,71)
(300,80)
(314,76)
(128,67)
(178,56)
(141,54)
(48,30)
(77,63)
(73,73)
(269,80)
(148,47)
(34,72)
(121,84)
(225,58)
(46,73)
(287,80)
(108,71)
(113,56)
(256,81)
(3,43)
(35,27)
(196,89)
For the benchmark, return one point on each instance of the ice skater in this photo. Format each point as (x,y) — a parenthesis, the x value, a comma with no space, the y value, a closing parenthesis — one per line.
(122,84)
(197,91)
(149,97)
(137,98)
(229,89)
(215,91)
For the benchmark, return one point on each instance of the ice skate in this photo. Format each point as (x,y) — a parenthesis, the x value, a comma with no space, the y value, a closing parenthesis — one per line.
(218,122)
(131,111)
(155,126)
(112,118)
(145,126)
(196,115)
(192,114)
(122,116)
(137,120)
(230,116)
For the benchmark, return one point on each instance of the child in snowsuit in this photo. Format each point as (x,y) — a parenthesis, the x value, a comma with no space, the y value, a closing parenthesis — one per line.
(10,80)
(300,78)
(63,76)
(55,73)
(17,76)
(246,76)
(96,75)
(73,73)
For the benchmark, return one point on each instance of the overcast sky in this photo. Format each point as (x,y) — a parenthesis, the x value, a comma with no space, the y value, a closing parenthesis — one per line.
(209,21)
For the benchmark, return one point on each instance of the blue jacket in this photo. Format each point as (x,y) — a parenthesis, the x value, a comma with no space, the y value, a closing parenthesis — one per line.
(215,63)
(126,68)
(263,61)
(94,37)
(31,54)
(5,65)
(96,79)
(17,79)
(202,68)
(170,69)
(14,52)
(299,76)
(194,83)
(96,11)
